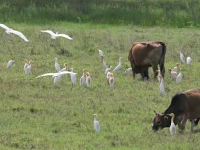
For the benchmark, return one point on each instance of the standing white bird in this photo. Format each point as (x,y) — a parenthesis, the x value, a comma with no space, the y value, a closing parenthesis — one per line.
(88,79)
(11,31)
(179,78)
(28,67)
(83,79)
(10,64)
(182,58)
(57,65)
(108,69)
(73,77)
(101,55)
(96,124)
(66,68)
(173,74)
(111,80)
(172,127)
(104,64)
(188,60)
(58,76)
(162,87)
(56,35)
(119,66)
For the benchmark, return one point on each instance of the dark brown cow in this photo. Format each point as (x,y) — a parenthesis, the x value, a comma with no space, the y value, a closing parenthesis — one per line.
(147,54)
(185,106)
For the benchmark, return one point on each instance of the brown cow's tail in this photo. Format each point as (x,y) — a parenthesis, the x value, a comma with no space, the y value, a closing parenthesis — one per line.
(162,59)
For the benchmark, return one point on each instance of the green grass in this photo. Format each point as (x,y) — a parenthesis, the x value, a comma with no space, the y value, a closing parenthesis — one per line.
(36,115)
(176,13)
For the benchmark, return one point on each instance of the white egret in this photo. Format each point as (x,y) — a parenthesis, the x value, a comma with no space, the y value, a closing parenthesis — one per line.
(10,64)
(108,75)
(28,67)
(101,55)
(173,74)
(73,77)
(179,78)
(172,127)
(188,60)
(11,31)
(88,79)
(83,79)
(66,68)
(111,80)
(104,64)
(119,66)
(108,69)
(96,124)
(162,87)
(58,76)
(182,58)
(56,35)
(57,65)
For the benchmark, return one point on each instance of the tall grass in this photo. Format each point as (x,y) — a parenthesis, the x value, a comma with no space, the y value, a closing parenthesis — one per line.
(178,13)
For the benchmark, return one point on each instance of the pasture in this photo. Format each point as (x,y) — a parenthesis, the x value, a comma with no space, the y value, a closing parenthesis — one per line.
(37,115)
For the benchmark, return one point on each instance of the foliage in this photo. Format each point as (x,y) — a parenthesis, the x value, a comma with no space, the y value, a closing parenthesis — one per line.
(178,13)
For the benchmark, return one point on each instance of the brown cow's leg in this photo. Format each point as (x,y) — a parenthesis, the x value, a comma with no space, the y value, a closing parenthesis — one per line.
(146,74)
(181,125)
(162,69)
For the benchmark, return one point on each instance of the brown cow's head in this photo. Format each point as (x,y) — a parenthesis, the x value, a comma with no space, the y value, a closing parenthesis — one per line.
(161,121)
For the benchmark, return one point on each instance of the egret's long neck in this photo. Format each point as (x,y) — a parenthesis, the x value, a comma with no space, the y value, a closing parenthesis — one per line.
(172,119)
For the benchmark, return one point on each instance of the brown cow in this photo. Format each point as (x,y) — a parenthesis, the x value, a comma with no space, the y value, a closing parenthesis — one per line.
(147,54)
(185,106)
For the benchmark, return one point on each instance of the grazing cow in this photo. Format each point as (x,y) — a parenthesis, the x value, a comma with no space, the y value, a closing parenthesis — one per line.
(185,106)
(147,54)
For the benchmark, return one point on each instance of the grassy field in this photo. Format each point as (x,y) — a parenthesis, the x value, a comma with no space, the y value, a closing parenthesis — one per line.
(37,115)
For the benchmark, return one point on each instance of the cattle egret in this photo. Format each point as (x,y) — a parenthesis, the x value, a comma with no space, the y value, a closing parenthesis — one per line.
(162,87)
(15,32)
(73,77)
(88,79)
(57,65)
(111,80)
(108,75)
(188,60)
(66,68)
(182,58)
(101,55)
(58,76)
(104,64)
(177,68)
(179,78)
(119,66)
(56,35)
(173,74)
(83,79)
(129,72)
(28,67)
(172,127)
(108,69)
(96,124)
(10,64)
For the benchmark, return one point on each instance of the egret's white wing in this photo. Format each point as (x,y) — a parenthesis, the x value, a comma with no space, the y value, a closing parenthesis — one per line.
(46,74)
(21,35)
(48,31)
(4,27)
(62,73)
(65,36)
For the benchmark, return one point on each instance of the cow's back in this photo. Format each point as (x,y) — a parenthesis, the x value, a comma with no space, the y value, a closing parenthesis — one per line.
(146,54)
